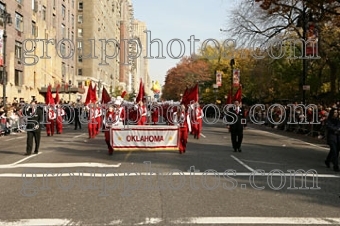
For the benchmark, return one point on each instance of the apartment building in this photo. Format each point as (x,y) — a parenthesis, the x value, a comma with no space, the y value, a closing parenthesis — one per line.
(66,43)
(36,54)
(98,43)
(140,68)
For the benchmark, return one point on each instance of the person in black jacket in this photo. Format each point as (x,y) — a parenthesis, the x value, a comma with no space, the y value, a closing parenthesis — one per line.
(333,139)
(34,117)
(236,128)
(77,109)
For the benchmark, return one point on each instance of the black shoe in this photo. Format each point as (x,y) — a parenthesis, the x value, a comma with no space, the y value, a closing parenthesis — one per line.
(36,152)
(327,164)
(27,154)
(239,150)
(235,150)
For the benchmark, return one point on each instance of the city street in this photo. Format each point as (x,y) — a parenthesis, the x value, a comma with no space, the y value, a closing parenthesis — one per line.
(72,181)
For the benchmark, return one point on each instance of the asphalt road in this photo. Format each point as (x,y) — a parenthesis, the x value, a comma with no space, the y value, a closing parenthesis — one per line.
(72,181)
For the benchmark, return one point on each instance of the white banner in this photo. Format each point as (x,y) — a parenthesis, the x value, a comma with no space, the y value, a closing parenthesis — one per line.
(144,138)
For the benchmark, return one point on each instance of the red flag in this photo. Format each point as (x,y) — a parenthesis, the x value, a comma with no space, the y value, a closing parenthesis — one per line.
(105,96)
(123,94)
(190,95)
(229,98)
(91,96)
(238,94)
(141,92)
(57,99)
(49,98)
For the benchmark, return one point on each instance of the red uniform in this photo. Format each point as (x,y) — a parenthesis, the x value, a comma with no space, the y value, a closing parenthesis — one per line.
(98,117)
(92,123)
(142,115)
(59,121)
(154,115)
(185,126)
(51,116)
(198,122)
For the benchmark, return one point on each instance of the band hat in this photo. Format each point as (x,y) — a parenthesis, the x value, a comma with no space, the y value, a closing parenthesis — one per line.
(118,102)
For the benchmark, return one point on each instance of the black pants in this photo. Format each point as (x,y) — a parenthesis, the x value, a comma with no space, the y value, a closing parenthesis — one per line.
(333,155)
(29,144)
(77,123)
(236,140)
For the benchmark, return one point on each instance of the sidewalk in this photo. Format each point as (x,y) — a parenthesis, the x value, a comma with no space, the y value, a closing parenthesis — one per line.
(303,137)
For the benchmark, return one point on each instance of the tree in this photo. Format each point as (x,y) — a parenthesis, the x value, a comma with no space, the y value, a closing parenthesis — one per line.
(186,73)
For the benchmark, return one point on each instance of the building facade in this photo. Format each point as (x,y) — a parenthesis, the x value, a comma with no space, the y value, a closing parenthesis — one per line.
(66,44)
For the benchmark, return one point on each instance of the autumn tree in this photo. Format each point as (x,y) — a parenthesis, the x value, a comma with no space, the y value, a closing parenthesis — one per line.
(262,23)
(187,72)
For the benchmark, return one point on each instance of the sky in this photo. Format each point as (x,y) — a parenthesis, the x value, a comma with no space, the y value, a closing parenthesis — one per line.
(180,19)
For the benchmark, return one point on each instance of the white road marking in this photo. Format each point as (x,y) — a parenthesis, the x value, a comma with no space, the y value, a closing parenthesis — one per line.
(151,220)
(15,138)
(270,163)
(258,220)
(66,173)
(24,159)
(57,165)
(242,163)
(203,135)
(192,220)
(272,134)
(37,222)
(79,135)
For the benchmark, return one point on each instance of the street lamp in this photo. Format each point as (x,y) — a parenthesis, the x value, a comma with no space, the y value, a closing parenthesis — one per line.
(232,63)
(215,86)
(69,90)
(7,19)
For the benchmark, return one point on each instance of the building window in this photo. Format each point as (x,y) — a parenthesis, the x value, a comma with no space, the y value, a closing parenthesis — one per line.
(34,29)
(72,21)
(80,5)
(80,71)
(63,49)
(72,36)
(63,12)
(43,12)
(80,58)
(63,69)
(19,22)
(80,19)
(18,78)
(80,32)
(18,50)
(63,30)
(53,20)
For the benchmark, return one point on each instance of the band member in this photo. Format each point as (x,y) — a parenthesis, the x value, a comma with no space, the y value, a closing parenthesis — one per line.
(142,119)
(51,117)
(109,120)
(185,127)
(33,127)
(92,123)
(59,121)
(98,117)
(154,113)
(236,128)
(333,139)
(198,121)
